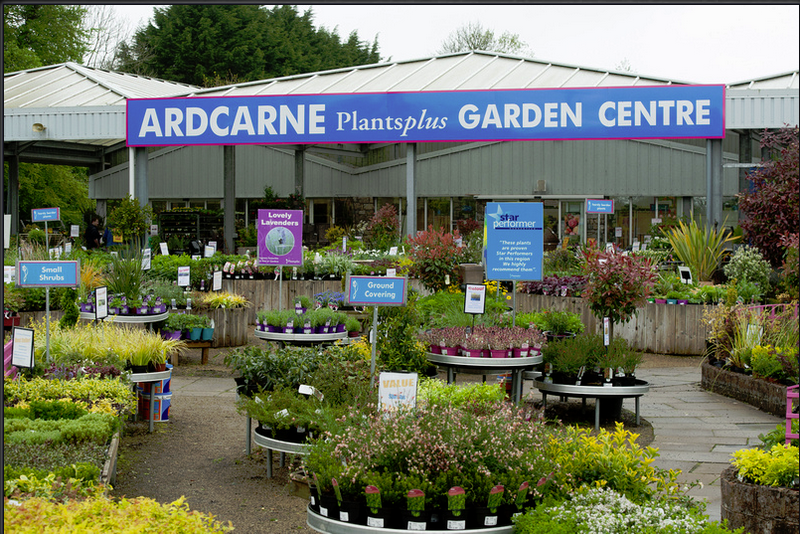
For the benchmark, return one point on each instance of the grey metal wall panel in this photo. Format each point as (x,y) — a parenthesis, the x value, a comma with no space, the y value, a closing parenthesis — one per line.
(762,108)
(65,124)
(603,167)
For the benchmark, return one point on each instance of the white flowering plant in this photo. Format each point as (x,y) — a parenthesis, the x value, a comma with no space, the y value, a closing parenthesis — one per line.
(605,511)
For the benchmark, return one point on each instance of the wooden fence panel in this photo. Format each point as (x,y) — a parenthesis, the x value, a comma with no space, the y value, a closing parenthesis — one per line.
(658,328)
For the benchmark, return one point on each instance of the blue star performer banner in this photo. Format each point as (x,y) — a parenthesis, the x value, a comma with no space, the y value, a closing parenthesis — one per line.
(514,240)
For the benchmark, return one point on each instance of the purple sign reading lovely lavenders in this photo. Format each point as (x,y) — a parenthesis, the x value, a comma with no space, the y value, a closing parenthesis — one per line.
(280,237)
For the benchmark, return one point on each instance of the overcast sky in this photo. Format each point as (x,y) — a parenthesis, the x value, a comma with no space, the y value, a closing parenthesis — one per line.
(685,43)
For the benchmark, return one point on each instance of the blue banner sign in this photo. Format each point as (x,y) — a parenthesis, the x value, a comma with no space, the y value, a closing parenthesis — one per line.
(376,290)
(646,112)
(599,206)
(48,273)
(46,214)
(514,240)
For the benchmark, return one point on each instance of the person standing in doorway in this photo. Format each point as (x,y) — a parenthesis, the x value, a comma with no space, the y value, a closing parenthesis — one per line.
(93,234)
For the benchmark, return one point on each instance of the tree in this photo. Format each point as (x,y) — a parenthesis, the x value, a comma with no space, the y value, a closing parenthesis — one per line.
(45,186)
(105,33)
(773,199)
(209,45)
(35,35)
(625,66)
(473,36)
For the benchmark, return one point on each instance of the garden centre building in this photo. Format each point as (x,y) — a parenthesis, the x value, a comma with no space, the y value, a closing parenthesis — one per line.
(74,115)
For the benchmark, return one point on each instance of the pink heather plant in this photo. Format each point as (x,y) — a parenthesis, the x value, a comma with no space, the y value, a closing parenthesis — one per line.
(433,449)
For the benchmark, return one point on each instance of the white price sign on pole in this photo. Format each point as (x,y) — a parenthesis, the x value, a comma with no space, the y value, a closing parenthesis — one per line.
(183,276)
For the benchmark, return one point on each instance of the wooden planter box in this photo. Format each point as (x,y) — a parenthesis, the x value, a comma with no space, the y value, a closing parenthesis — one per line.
(762,394)
(230,326)
(758,508)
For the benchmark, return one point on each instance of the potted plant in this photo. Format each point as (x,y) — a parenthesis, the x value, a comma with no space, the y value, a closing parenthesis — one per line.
(473,344)
(173,326)
(617,285)
(567,358)
(353,327)
(207,325)
(673,296)
(559,324)
(699,248)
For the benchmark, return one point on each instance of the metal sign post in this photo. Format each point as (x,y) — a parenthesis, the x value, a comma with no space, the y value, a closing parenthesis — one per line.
(375,291)
(46,274)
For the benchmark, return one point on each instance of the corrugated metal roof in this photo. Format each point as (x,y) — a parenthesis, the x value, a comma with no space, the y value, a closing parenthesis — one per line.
(787,80)
(450,72)
(72,85)
(768,102)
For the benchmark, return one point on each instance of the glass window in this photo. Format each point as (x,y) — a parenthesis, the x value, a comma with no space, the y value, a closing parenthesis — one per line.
(158,206)
(572,221)
(438,214)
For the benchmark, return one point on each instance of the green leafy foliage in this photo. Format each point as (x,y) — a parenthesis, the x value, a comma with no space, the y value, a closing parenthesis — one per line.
(55,409)
(589,507)
(397,344)
(748,265)
(130,218)
(777,466)
(211,45)
(699,248)
(94,427)
(36,35)
(445,309)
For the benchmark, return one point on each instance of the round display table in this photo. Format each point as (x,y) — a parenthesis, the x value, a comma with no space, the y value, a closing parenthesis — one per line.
(150,377)
(327,525)
(598,393)
(486,366)
(300,339)
(282,447)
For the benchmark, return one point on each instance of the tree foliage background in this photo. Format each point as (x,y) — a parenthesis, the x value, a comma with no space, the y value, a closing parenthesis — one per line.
(473,36)
(772,203)
(209,45)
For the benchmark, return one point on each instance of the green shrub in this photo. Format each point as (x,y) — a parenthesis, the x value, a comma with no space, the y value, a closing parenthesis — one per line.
(39,481)
(765,363)
(613,460)
(748,264)
(777,436)
(94,427)
(777,466)
(55,409)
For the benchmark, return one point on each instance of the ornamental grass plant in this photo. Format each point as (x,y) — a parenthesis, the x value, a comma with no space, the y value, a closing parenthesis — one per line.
(698,248)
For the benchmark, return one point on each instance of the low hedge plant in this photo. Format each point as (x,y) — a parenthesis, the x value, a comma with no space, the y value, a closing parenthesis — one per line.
(101,515)
(62,482)
(94,427)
